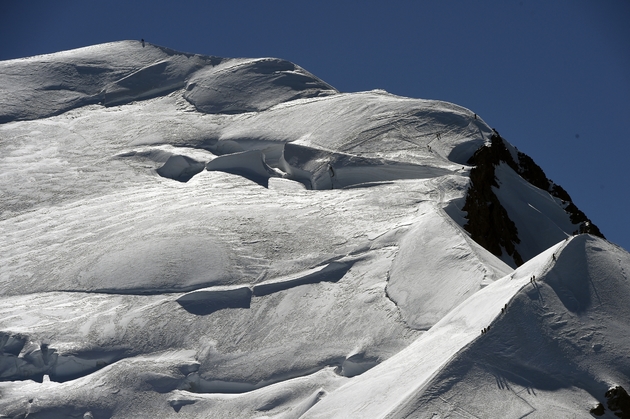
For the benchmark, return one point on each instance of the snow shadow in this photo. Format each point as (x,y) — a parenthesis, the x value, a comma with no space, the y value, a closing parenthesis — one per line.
(355,365)
(23,359)
(462,152)
(248,164)
(209,300)
(196,383)
(71,366)
(321,169)
(180,168)
(174,166)
(332,272)
(11,344)
(570,278)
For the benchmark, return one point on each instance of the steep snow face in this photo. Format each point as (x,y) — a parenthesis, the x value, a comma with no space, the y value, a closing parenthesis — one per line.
(438,267)
(508,194)
(552,347)
(528,205)
(189,236)
(558,348)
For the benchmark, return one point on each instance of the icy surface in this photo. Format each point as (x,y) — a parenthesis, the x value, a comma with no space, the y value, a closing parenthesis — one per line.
(189,236)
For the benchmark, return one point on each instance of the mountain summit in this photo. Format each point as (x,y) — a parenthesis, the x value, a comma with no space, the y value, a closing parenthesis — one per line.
(190,236)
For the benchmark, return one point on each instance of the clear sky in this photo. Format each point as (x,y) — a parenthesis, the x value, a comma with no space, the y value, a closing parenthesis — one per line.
(553,77)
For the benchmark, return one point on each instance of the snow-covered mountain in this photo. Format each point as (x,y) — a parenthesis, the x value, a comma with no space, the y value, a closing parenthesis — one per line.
(188,236)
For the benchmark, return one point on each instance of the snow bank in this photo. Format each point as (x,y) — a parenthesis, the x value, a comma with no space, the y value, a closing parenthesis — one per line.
(238,86)
(438,267)
(117,72)
(208,300)
(160,264)
(321,169)
(331,272)
(249,164)
(180,168)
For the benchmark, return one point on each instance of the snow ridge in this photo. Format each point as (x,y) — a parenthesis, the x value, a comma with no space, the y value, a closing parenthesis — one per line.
(193,236)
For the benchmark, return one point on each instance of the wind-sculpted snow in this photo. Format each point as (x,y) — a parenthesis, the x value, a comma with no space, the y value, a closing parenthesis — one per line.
(153,80)
(118,72)
(318,267)
(180,168)
(318,169)
(435,272)
(252,85)
(249,164)
(208,300)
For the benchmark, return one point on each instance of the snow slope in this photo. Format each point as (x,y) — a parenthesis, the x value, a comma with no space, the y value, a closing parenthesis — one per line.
(189,236)
(554,351)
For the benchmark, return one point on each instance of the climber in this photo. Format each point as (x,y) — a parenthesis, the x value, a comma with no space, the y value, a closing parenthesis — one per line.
(331,172)
(142,40)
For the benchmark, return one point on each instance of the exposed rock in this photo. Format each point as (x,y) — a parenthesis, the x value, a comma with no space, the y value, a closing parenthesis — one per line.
(618,401)
(597,410)
(488,222)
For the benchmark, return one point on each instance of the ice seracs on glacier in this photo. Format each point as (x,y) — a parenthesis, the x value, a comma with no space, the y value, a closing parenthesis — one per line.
(189,236)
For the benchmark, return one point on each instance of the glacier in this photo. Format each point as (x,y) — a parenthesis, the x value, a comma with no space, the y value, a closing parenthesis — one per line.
(194,236)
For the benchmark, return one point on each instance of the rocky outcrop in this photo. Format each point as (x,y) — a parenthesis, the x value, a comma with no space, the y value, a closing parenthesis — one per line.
(618,401)
(488,221)
(598,410)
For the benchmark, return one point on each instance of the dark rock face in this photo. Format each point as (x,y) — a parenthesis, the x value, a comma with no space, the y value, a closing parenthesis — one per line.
(488,222)
(598,410)
(618,401)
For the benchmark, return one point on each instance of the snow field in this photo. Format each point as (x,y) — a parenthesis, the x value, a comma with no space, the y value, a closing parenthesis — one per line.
(318,267)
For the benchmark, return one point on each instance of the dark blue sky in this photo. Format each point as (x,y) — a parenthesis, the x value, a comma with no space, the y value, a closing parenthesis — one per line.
(553,77)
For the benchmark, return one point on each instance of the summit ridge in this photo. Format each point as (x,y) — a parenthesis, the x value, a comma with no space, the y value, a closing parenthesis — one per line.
(188,236)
